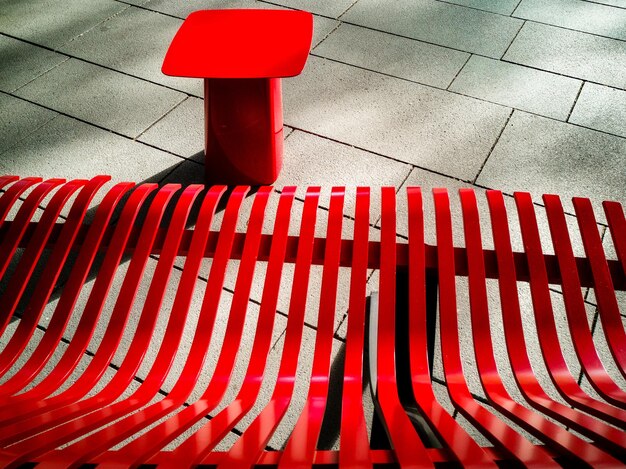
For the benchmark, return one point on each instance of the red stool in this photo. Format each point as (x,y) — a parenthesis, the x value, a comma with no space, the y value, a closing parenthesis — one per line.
(242,55)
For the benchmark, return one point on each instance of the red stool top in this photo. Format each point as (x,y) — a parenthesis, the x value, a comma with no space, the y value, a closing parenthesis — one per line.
(240,44)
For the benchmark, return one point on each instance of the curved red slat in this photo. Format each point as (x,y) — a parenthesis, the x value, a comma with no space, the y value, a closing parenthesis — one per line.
(70,293)
(62,407)
(71,429)
(554,436)
(575,307)
(354,444)
(608,308)
(46,284)
(14,290)
(249,446)
(221,375)
(503,437)
(408,448)
(460,443)
(18,227)
(300,449)
(201,443)
(604,436)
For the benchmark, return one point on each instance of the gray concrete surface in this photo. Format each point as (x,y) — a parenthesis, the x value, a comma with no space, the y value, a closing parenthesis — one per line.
(513,95)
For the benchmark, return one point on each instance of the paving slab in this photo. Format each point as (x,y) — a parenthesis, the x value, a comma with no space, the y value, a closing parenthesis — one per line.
(134,42)
(310,160)
(571,53)
(19,119)
(575,14)
(332,8)
(544,156)
(21,62)
(181,131)
(519,87)
(103,97)
(71,149)
(53,23)
(615,3)
(601,108)
(439,23)
(393,55)
(504,7)
(413,123)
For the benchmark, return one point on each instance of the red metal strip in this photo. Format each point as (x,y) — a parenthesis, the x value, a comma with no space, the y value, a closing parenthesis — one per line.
(575,307)
(603,435)
(354,444)
(59,408)
(300,449)
(132,424)
(455,437)
(71,289)
(608,309)
(247,449)
(25,404)
(408,448)
(36,244)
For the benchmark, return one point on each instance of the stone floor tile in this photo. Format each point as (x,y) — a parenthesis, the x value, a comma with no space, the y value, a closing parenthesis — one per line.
(543,156)
(181,131)
(393,55)
(438,23)
(21,62)
(423,126)
(134,42)
(18,119)
(310,160)
(72,149)
(574,14)
(183,9)
(570,53)
(615,3)
(53,23)
(504,7)
(332,8)
(519,87)
(601,108)
(103,97)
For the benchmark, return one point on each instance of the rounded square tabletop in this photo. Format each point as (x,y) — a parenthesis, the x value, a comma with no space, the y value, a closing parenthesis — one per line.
(240,44)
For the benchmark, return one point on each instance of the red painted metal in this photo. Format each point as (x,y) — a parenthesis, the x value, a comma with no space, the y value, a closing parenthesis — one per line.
(48,418)
(242,56)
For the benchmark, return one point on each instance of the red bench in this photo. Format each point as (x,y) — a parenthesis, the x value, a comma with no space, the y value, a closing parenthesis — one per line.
(52,419)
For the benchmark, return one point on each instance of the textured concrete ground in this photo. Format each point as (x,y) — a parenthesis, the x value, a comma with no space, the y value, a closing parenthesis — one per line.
(511,95)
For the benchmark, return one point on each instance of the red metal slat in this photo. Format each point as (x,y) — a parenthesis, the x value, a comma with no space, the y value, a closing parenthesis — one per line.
(300,449)
(617,227)
(205,439)
(456,438)
(70,292)
(186,381)
(60,408)
(608,308)
(36,244)
(504,438)
(575,307)
(354,444)
(552,435)
(558,371)
(26,404)
(46,283)
(18,226)
(408,448)
(80,451)
(249,446)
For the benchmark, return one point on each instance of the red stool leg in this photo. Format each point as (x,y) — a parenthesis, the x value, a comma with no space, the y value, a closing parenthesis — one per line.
(243,123)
